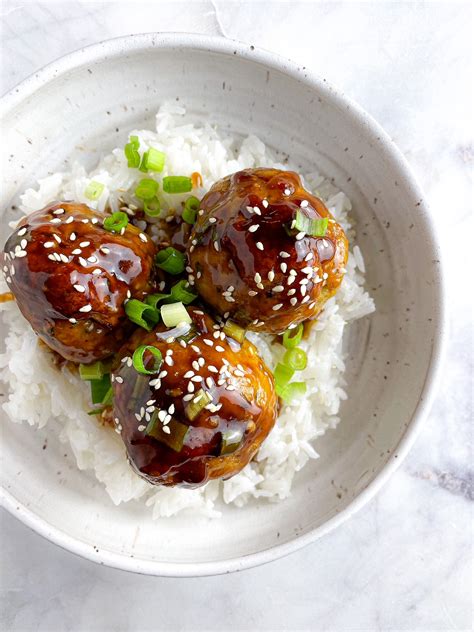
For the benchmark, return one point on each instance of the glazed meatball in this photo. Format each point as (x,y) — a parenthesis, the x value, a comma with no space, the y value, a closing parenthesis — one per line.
(203,413)
(250,263)
(71,277)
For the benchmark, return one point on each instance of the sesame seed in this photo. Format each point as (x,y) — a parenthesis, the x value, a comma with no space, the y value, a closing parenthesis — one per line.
(73,321)
(141,428)
(265,203)
(69,219)
(24,243)
(48,244)
(22,231)
(92,259)
(52,257)
(196,348)
(325,275)
(196,378)
(166,430)
(306,299)
(162,374)
(230,387)
(216,246)
(86,308)
(293,301)
(96,271)
(187,397)
(84,244)
(83,262)
(20,254)
(143,237)
(309,256)
(290,279)
(216,334)
(278,288)
(76,251)
(229,299)
(169,360)
(277,307)
(304,203)
(190,387)
(138,417)
(283,267)
(291,292)
(300,235)
(252,293)
(72,237)
(284,255)
(271,275)
(220,382)
(156,382)
(195,365)
(212,220)
(254,227)
(56,237)
(63,258)
(307,270)
(287,192)
(220,349)
(260,286)
(208,342)
(239,373)
(256,210)
(303,290)
(119,379)
(188,374)
(257,278)
(79,288)
(59,211)
(312,305)
(171,409)
(55,220)
(162,415)
(212,369)
(259,245)
(304,282)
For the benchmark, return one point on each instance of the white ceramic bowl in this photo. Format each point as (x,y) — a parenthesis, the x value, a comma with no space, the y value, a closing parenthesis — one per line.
(80,102)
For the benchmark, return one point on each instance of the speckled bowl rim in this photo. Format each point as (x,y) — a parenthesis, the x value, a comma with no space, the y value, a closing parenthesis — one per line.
(120,46)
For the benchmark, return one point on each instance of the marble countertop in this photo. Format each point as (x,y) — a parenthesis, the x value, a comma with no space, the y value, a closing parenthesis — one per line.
(404,561)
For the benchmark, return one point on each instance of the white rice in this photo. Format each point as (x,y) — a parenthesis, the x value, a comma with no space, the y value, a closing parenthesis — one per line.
(38,394)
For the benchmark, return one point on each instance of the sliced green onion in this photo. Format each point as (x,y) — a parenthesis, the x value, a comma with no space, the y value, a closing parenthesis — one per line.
(116,222)
(134,142)
(146,189)
(171,260)
(108,397)
(292,337)
(152,207)
(175,314)
(176,436)
(177,184)
(154,299)
(96,411)
(180,292)
(132,155)
(142,166)
(231,440)
(141,313)
(296,359)
(282,375)
(155,159)
(95,371)
(140,363)
(314,227)
(234,331)
(94,190)
(198,403)
(191,208)
(292,391)
(100,388)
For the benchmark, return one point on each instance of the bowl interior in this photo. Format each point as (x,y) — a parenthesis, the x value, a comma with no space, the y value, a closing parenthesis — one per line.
(89,109)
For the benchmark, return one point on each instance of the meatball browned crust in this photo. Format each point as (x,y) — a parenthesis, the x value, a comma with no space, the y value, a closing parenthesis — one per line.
(71,277)
(248,261)
(208,407)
